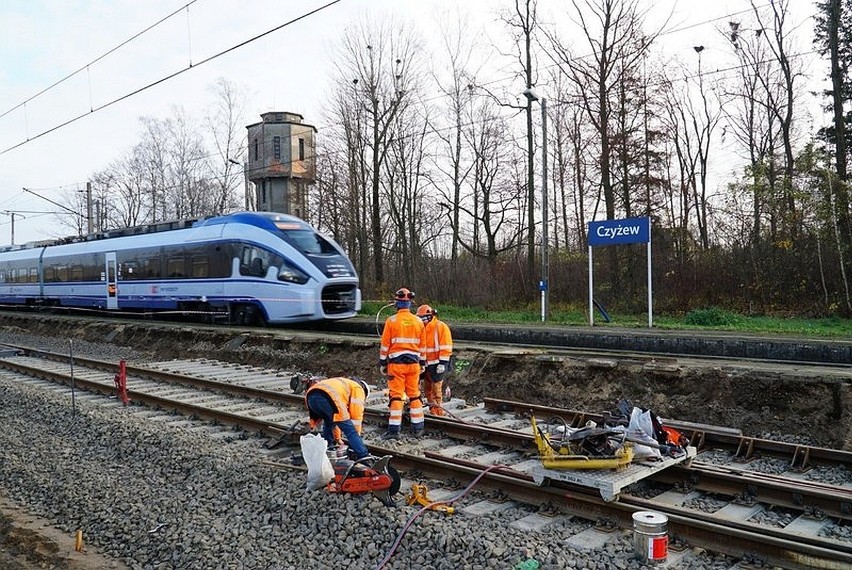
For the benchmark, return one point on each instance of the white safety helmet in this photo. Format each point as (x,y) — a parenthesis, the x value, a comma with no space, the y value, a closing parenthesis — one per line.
(364,386)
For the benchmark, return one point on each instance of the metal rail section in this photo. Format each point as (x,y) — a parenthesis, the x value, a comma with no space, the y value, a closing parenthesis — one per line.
(773,545)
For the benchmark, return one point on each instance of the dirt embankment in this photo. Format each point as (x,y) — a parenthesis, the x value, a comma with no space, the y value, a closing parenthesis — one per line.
(762,402)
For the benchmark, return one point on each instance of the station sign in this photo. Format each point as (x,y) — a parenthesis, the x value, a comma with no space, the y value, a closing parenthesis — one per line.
(619,232)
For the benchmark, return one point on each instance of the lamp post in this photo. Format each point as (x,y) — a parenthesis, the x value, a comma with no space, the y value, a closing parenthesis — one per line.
(543,285)
(245,181)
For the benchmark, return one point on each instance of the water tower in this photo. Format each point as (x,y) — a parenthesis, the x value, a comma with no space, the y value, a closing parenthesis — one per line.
(281,162)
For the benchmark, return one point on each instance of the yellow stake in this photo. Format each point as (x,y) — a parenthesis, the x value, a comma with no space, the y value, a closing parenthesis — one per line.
(78,542)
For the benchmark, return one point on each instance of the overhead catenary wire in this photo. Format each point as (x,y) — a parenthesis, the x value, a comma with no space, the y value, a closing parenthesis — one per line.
(339,152)
(85,67)
(241,44)
(170,76)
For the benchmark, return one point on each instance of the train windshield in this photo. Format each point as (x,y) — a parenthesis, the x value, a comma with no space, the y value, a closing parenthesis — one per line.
(308,241)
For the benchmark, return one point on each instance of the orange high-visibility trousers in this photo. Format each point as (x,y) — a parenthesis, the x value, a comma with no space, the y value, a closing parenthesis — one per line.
(404,380)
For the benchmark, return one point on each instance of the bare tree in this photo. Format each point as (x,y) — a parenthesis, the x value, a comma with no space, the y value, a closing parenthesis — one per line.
(779,90)
(613,33)
(382,63)
(224,121)
(458,87)
(492,210)
(523,21)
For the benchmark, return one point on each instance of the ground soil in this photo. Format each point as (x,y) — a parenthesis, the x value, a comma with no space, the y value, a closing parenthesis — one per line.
(781,402)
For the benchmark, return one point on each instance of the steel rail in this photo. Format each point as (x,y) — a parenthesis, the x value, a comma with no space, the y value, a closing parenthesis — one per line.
(772,545)
(702,436)
(456,429)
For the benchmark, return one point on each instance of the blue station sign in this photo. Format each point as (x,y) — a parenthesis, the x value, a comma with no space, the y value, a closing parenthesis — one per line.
(619,232)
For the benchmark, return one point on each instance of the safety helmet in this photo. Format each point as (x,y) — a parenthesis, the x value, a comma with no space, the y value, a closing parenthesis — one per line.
(403,294)
(364,386)
(425,312)
(301,382)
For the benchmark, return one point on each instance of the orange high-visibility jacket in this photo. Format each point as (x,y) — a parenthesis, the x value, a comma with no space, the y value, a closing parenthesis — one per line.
(439,342)
(348,397)
(403,339)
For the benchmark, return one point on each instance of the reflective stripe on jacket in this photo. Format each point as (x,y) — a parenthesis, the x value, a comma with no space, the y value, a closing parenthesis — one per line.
(348,397)
(439,342)
(403,339)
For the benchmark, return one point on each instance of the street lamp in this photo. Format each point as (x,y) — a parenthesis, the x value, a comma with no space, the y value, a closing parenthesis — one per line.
(245,182)
(543,285)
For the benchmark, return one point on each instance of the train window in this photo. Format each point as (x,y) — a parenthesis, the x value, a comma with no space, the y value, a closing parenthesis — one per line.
(221,256)
(76,273)
(200,267)
(151,267)
(62,273)
(255,262)
(175,267)
(2,276)
(33,275)
(128,271)
(49,274)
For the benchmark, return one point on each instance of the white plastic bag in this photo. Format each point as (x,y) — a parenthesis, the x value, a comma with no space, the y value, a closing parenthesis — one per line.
(641,428)
(320,470)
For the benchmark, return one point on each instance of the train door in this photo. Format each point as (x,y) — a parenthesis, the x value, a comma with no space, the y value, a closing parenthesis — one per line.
(111,281)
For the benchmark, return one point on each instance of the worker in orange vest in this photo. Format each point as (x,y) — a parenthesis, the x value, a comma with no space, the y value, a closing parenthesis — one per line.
(338,403)
(439,349)
(402,358)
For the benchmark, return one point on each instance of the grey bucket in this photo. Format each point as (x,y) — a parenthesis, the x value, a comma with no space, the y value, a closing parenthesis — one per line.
(650,536)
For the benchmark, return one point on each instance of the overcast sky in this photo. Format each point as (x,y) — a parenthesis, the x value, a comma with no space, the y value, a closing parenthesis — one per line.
(42,42)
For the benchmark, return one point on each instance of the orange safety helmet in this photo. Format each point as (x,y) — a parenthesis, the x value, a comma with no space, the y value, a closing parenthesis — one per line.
(425,312)
(404,294)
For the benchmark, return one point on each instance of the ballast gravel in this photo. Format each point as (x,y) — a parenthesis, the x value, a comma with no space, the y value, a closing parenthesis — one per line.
(160,496)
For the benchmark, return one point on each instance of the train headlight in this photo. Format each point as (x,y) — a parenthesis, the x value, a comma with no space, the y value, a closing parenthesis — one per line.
(291,274)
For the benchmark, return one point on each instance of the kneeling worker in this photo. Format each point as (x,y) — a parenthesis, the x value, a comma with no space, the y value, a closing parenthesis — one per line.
(339,404)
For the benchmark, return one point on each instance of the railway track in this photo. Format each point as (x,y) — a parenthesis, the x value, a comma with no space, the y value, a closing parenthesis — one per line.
(657,353)
(756,499)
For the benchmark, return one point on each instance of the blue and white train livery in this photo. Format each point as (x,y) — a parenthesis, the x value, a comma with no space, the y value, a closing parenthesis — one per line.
(248,267)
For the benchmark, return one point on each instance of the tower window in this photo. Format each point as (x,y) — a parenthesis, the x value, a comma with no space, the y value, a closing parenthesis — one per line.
(255,149)
(276,147)
(301,149)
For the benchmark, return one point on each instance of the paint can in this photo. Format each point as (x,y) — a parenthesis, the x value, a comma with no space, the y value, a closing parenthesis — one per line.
(650,536)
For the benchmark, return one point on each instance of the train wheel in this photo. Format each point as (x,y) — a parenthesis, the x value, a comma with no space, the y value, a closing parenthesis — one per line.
(246,315)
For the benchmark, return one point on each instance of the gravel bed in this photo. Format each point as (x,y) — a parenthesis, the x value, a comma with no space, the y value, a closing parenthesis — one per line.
(162,497)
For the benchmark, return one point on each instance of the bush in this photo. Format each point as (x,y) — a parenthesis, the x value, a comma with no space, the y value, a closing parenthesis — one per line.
(710,317)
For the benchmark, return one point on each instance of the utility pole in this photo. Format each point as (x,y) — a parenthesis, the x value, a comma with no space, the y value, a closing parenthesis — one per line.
(543,285)
(89,205)
(12,215)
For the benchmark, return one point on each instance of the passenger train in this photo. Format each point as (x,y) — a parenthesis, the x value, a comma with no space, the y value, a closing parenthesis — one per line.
(244,268)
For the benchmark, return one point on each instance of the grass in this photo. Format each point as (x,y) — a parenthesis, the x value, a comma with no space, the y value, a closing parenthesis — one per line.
(708,319)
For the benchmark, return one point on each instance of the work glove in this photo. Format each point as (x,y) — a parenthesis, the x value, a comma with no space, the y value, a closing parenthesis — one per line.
(384,370)
(441,368)
(422,368)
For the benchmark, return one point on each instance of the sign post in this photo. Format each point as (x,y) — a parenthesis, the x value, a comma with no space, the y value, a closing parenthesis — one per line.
(619,232)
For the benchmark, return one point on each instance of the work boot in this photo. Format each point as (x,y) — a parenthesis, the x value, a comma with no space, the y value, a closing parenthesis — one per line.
(391,435)
(418,432)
